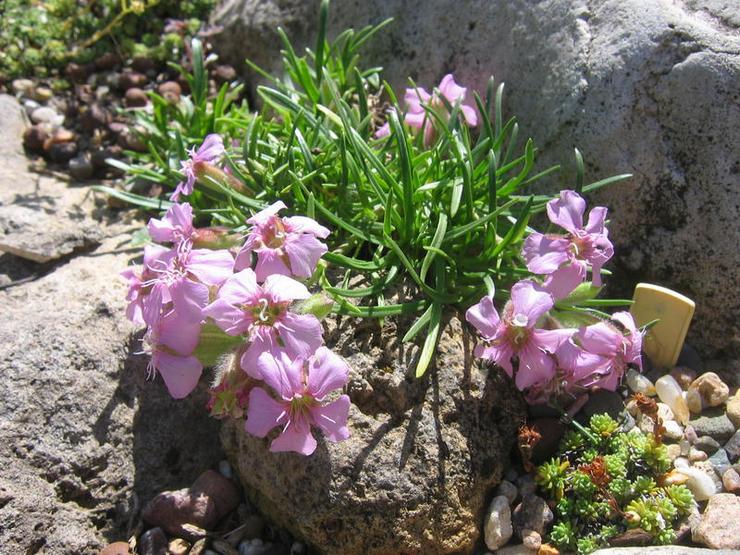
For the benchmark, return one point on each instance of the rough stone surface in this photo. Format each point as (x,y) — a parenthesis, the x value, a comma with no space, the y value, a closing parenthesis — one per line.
(733,410)
(733,447)
(718,526)
(423,454)
(711,389)
(645,87)
(41,218)
(531,514)
(497,528)
(715,424)
(85,441)
(664,550)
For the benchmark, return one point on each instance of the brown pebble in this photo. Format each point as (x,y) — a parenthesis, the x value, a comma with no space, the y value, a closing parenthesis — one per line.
(132,79)
(224,73)
(531,540)
(117,548)
(547,549)
(170,91)
(95,117)
(107,61)
(34,138)
(136,98)
(178,546)
(143,64)
(76,72)
(199,547)
(684,376)
(731,481)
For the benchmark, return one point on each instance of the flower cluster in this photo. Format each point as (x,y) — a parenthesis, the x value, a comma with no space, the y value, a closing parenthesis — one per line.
(181,291)
(550,360)
(417,98)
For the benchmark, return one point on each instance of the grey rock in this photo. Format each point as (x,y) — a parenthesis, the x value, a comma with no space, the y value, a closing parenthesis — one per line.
(22,87)
(45,114)
(715,424)
(497,529)
(718,526)
(657,78)
(80,167)
(153,542)
(531,514)
(508,490)
(707,444)
(733,447)
(422,456)
(720,462)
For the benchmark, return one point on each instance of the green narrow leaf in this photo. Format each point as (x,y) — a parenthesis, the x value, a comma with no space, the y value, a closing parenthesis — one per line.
(515,230)
(430,343)
(407,174)
(321,40)
(436,243)
(420,322)
(579,171)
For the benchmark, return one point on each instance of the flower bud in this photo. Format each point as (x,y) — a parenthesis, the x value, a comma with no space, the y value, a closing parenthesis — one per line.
(215,238)
(208,174)
(319,305)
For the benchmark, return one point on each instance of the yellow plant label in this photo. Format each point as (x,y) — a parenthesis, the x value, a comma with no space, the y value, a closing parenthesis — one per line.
(674,311)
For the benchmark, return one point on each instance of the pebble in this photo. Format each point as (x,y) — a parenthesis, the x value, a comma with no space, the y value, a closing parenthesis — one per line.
(708,468)
(720,461)
(639,383)
(685,447)
(695,455)
(497,529)
(715,424)
(34,138)
(731,481)
(508,490)
(645,424)
(733,447)
(45,114)
(80,167)
(712,391)
(199,547)
(514,550)
(224,73)
(733,410)
(143,64)
(707,444)
(253,547)
(153,542)
(178,546)
(22,87)
(170,91)
(718,526)
(690,434)
(511,475)
(673,430)
(674,451)
(526,485)
(684,376)
(43,94)
(532,513)
(95,117)
(224,548)
(693,401)
(75,72)
(224,469)
(62,152)
(665,412)
(107,61)
(117,548)
(253,526)
(135,98)
(531,540)
(297,548)
(699,482)
(131,79)
(670,393)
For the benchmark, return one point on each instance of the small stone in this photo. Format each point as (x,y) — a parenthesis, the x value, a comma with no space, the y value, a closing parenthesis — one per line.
(135,98)
(297,548)
(733,447)
(673,430)
(199,547)
(690,433)
(512,475)
(665,412)
(34,138)
(107,61)
(670,393)
(685,447)
(224,469)
(718,526)
(508,490)
(531,514)
(170,91)
(531,540)
(497,529)
(223,548)
(674,451)
(153,542)
(547,549)
(61,153)
(712,391)
(99,156)
(178,546)
(131,79)
(95,117)
(117,548)
(514,550)
(720,461)
(75,72)
(639,383)
(645,424)
(715,424)
(733,410)
(684,376)
(693,401)
(143,63)
(699,482)
(709,469)
(224,73)
(43,94)
(253,526)
(526,485)
(23,87)
(731,481)
(46,114)
(707,444)
(695,455)
(80,167)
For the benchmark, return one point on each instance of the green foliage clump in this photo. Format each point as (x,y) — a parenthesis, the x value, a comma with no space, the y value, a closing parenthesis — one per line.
(607,481)
(39,37)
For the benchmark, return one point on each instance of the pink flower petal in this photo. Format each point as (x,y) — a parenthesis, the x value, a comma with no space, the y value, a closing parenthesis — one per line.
(551,340)
(180,374)
(295,438)
(499,354)
(270,262)
(567,211)
(470,115)
(212,267)
(563,281)
(332,418)
(451,90)
(230,318)
(327,372)
(535,367)
(414,97)
(284,289)
(416,119)
(529,300)
(240,287)
(545,254)
(264,413)
(304,252)
(189,298)
(178,333)
(302,224)
(210,150)
(383,131)
(263,340)
(600,339)
(263,216)
(484,317)
(281,373)
(301,334)
(596,219)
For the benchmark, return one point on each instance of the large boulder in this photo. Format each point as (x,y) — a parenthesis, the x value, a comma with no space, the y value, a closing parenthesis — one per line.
(423,454)
(648,87)
(85,441)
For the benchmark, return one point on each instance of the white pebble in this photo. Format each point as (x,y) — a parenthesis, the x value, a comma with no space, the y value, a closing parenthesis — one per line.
(700,484)
(665,412)
(508,490)
(497,529)
(639,383)
(672,395)
(673,430)
(695,455)
(681,463)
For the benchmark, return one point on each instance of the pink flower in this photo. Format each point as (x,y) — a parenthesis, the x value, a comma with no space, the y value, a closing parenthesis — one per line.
(208,153)
(170,342)
(598,355)
(302,385)
(515,334)
(176,226)
(262,312)
(285,246)
(183,278)
(417,117)
(565,259)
